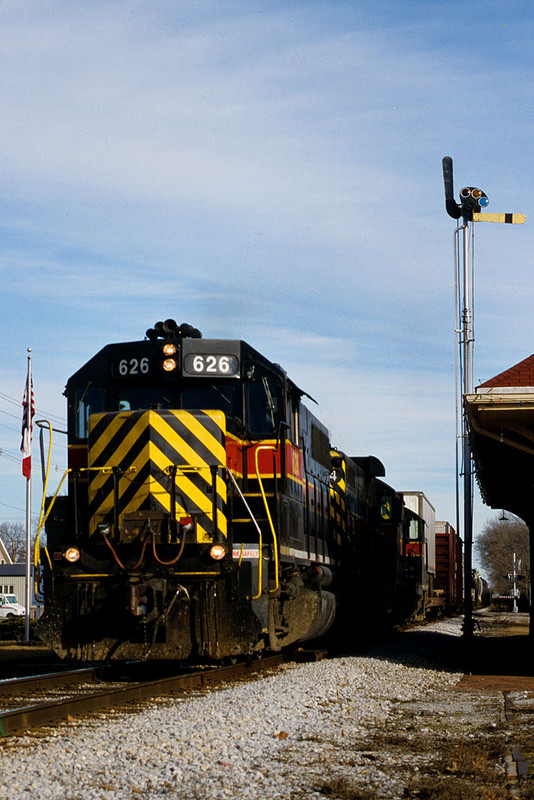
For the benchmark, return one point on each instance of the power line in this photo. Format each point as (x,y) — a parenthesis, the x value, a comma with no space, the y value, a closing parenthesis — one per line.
(17,430)
(9,456)
(8,427)
(10,399)
(16,508)
(14,416)
(18,403)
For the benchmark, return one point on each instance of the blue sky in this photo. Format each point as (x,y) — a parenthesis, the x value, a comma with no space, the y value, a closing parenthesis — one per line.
(268,171)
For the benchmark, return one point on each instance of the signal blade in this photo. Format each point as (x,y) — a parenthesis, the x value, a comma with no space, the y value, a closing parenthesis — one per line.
(515,219)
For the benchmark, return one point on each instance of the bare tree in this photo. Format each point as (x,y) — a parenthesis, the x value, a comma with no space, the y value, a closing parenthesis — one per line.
(496,545)
(13,535)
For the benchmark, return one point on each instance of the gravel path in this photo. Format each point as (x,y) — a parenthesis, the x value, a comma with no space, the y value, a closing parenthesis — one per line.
(299,733)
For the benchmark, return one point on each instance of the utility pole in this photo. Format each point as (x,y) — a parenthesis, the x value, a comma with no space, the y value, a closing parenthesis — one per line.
(472,201)
(516,566)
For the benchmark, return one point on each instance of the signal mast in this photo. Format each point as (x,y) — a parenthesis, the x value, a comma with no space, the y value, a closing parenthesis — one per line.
(472,201)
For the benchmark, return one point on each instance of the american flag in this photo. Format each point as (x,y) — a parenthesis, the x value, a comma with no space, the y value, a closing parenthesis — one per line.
(27,431)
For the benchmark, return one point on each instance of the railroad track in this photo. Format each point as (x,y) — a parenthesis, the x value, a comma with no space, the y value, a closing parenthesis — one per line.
(79,692)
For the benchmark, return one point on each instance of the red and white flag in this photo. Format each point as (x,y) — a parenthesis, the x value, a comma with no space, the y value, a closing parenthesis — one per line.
(27,432)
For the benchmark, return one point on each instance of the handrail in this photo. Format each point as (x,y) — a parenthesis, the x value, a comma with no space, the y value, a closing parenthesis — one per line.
(273,532)
(36,560)
(172,470)
(260,536)
(43,519)
(183,468)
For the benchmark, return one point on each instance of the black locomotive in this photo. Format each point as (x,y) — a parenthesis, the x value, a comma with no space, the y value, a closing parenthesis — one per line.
(208,515)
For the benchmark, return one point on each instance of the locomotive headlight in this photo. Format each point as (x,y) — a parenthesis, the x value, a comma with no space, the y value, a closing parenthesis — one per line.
(169,349)
(72,554)
(169,364)
(217,552)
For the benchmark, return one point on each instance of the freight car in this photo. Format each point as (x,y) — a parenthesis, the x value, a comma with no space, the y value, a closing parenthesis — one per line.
(207,514)
(441,561)
(449,567)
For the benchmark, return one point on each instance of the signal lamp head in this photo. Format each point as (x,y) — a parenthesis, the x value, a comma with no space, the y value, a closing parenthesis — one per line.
(473,199)
(169,349)
(72,554)
(217,552)
(169,364)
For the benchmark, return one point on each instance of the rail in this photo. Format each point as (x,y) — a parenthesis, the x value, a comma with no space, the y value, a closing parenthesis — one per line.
(20,719)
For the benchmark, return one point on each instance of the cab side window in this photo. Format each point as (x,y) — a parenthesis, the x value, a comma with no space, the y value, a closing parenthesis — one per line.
(414,532)
(88,400)
(264,402)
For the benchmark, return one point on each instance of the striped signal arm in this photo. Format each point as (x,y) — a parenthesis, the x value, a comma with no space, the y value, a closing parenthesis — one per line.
(513,219)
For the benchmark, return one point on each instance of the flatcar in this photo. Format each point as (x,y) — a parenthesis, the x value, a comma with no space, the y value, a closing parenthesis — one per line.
(208,515)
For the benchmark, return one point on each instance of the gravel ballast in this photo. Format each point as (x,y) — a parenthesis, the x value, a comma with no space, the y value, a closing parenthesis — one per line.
(307,731)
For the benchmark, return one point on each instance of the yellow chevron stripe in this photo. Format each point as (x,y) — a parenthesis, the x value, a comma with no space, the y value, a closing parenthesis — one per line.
(111,430)
(154,454)
(98,481)
(124,481)
(191,459)
(186,486)
(152,488)
(130,439)
(187,452)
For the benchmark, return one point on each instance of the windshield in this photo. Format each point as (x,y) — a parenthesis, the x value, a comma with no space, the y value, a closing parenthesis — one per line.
(137,398)
(7,599)
(225,396)
(220,396)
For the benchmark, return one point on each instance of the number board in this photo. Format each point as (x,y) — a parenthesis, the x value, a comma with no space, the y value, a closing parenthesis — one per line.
(209,364)
(132,366)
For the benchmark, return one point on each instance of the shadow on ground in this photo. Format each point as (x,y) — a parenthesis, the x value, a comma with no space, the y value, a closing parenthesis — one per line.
(500,646)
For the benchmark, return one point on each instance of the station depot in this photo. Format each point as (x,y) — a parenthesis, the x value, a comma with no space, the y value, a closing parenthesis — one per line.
(501,430)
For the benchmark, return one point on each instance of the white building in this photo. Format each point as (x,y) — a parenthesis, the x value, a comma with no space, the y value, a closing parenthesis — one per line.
(4,555)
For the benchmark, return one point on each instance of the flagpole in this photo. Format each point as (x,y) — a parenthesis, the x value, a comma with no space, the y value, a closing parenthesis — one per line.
(28,501)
